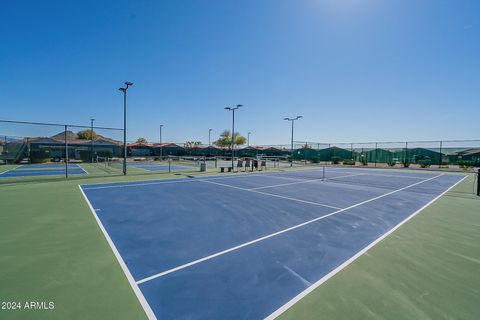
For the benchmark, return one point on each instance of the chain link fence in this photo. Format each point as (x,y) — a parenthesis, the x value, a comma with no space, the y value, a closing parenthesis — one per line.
(440,154)
(31,151)
(39,151)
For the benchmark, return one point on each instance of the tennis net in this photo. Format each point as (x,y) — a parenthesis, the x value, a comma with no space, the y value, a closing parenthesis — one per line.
(382,179)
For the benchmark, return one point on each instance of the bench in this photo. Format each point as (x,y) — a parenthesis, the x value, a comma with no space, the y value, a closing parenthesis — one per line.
(229,168)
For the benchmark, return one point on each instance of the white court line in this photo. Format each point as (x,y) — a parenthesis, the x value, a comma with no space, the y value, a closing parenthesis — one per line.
(304,293)
(271,194)
(275,174)
(304,181)
(102,185)
(133,184)
(389,175)
(383,170)
(278,233)
(341,170)
(136,289)
(80,168)
(140,168)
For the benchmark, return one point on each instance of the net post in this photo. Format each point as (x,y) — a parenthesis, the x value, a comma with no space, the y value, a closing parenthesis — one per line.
(66,152)
(169,165)
(323,173)
(5,148)
(478,182)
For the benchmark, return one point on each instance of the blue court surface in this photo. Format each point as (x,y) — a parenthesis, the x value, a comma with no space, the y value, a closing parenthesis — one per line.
(36,170)
(158,166)
(245,246)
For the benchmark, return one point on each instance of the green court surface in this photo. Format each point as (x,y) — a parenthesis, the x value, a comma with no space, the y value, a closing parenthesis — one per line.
(7,167)
(53,251)
(426,269)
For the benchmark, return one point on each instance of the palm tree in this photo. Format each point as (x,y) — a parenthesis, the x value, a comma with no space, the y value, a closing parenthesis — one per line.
(225,139)
(142,140)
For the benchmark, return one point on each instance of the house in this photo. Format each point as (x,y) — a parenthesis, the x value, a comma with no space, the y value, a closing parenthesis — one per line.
(206,151)
(140,149)
(41,149)
(250,151)
(275,151)
(168,149)
(472,154)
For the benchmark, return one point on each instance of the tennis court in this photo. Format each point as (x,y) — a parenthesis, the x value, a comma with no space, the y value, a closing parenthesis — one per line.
(251,245)
(37,170)
(158,166)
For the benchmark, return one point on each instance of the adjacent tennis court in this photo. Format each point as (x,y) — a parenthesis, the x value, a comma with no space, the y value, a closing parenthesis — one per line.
(249,246)
(37,170)
(158,166)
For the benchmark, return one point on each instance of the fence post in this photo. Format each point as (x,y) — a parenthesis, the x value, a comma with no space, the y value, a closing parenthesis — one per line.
(332,153)
(66,153)
(376,153)
(441,156)
(406,150)
(478,182)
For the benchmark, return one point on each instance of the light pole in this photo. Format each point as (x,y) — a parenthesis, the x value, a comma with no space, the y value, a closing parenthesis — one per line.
(209,135)
(233,127)
(248,139)
(124,90)
(91,139)
(292,120)
(161,148)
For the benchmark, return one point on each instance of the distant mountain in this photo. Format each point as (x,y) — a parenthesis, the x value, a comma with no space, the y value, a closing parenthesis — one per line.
(71,136)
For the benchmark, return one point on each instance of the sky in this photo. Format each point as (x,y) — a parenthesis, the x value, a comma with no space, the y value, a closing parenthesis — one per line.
(356,70)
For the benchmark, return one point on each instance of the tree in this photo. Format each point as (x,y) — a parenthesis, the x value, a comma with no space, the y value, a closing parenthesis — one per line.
(142,140)
(87,135)
(191,144)
(225,139)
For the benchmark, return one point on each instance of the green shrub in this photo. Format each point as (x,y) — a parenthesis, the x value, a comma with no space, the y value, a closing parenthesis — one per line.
(391,163)
(336,160)
(315,160)
(425,163)
(406,164)
(467,164)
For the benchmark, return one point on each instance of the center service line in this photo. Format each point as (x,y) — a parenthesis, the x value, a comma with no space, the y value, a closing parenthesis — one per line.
(158,275)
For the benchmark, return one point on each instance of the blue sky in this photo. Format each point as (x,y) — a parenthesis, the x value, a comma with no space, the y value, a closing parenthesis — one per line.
(356,70)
